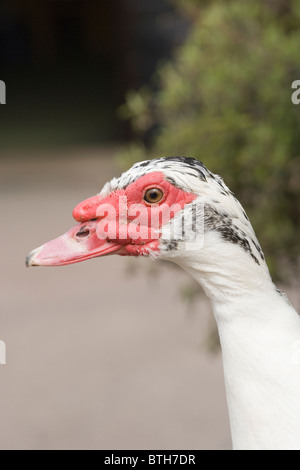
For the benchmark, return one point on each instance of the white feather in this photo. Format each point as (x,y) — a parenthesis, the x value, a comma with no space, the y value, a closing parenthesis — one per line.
(259,330)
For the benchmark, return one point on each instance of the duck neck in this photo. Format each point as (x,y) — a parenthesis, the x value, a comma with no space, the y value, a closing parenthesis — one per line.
(259,333)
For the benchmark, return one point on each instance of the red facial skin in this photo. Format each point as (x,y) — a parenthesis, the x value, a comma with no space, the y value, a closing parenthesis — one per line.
(102,229)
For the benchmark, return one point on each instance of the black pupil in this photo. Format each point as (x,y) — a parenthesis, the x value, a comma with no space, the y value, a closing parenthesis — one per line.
(153,194)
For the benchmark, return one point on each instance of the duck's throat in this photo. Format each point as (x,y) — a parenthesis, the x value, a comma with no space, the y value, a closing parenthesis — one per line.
(259,332)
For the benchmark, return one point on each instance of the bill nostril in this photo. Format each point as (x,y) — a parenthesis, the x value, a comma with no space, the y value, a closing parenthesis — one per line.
(83,233)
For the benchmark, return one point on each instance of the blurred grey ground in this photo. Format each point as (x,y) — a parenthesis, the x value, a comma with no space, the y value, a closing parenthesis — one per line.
(97,358)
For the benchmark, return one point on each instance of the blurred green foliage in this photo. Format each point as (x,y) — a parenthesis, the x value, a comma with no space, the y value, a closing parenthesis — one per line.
(225,98)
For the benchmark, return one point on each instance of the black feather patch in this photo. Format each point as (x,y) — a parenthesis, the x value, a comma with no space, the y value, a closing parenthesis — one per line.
(223,224)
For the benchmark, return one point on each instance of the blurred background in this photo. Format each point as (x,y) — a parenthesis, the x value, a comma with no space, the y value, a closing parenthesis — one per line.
(69,63)
(115,353)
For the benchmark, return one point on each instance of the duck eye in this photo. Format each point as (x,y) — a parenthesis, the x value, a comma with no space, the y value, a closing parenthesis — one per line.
(153,195)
